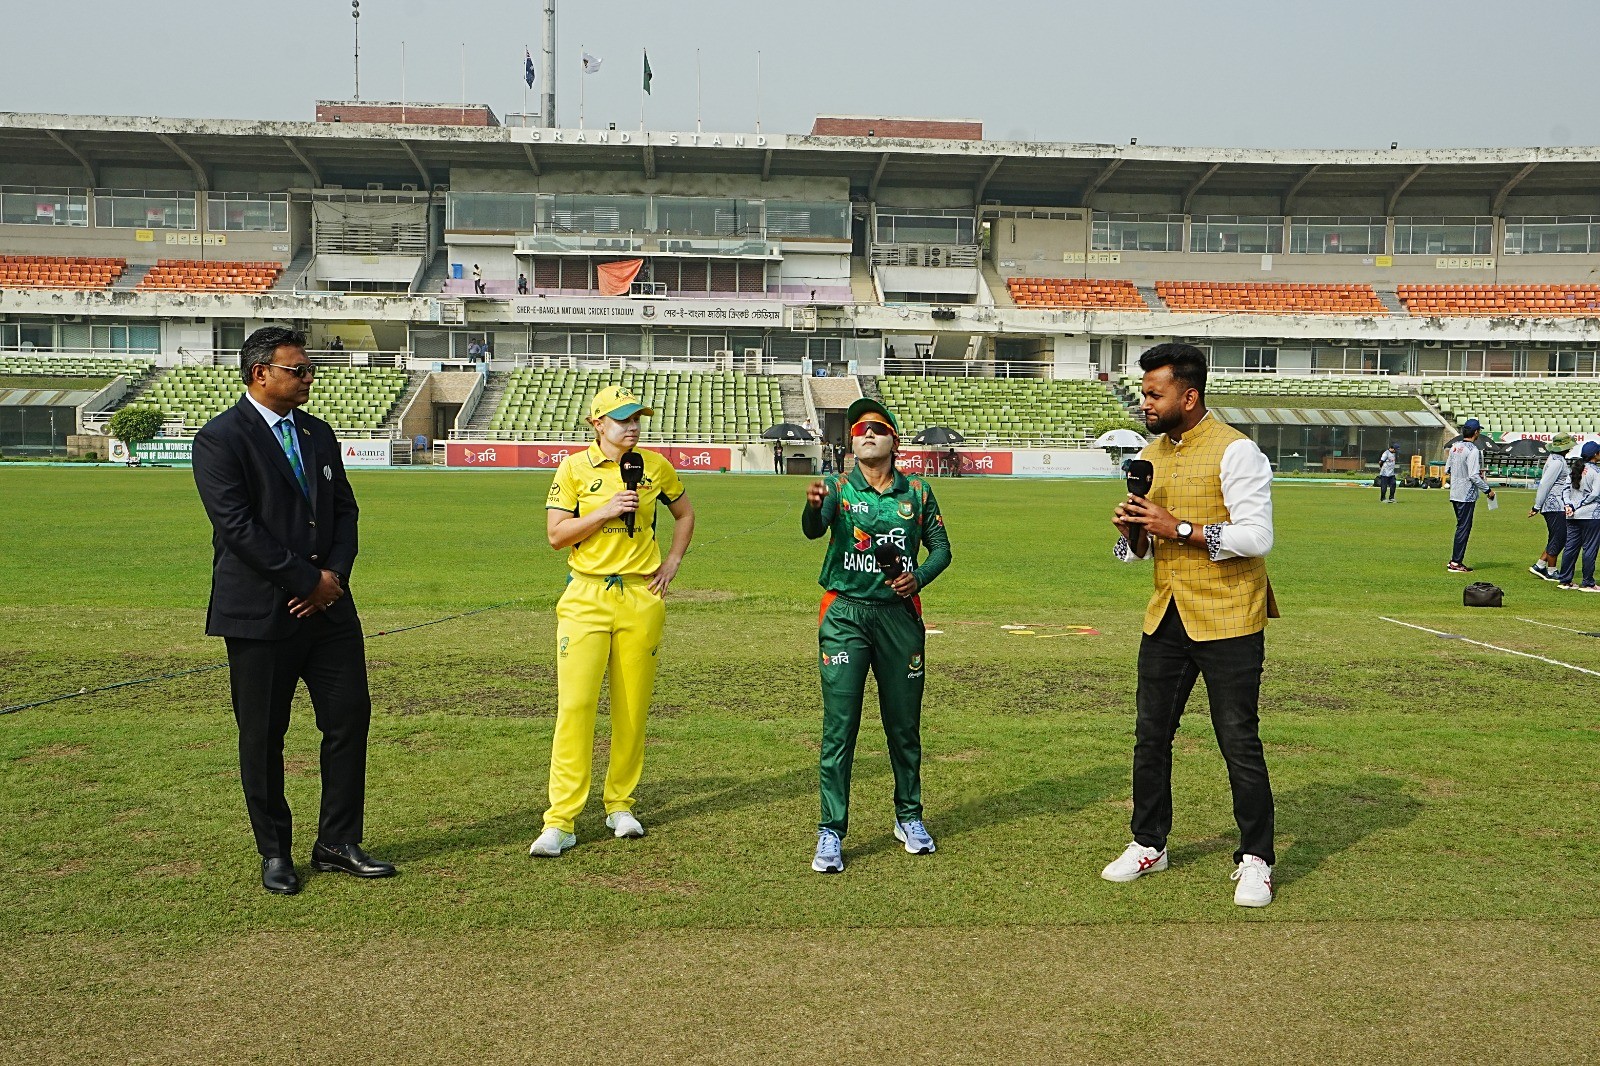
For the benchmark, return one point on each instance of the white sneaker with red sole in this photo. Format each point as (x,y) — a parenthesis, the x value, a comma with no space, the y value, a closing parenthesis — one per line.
(1255,882)
(1135,861)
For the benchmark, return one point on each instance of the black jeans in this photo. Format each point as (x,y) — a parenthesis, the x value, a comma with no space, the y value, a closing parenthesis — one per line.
(1464,512)
(1385,484)
(331,658)
(1169,665)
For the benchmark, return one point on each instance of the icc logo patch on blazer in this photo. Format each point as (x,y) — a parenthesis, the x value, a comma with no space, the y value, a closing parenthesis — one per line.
(327,473)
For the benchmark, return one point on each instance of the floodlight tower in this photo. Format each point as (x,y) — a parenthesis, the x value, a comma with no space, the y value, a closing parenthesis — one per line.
(355,13)
(547,96)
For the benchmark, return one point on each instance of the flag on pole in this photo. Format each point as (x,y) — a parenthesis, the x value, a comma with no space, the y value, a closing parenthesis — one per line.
(590,63)
(527,67)
(647,74)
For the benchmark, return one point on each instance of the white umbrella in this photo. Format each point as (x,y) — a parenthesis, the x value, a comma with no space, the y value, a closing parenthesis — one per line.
(1120,438)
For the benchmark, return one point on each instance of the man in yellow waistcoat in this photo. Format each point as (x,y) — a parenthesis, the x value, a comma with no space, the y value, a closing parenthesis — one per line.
(1207,523)
(611,614)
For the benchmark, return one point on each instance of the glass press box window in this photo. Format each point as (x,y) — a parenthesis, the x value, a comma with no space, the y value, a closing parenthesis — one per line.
(1236,233)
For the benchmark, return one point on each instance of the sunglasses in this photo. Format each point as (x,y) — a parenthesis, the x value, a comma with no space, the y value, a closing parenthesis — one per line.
(876,428)
(303,371)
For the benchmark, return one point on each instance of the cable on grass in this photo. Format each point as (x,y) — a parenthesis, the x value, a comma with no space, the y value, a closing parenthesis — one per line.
(12,709)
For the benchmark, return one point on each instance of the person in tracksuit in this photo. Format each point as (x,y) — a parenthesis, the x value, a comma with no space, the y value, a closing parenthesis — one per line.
(869,621)
(1386,479)
(1550,500)
(1583,519)
(611,613)
(1464,464)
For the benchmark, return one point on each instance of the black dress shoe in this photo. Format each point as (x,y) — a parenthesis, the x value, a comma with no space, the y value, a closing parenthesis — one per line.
(350,859)
(277,875)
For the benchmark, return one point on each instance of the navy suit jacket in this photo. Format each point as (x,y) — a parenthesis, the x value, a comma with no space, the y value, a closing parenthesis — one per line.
(270,542)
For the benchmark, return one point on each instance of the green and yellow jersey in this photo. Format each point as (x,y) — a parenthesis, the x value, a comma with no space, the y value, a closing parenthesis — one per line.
(859,518)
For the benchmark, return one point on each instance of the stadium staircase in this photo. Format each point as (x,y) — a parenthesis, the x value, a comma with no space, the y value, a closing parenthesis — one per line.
(435,274)
(415,379)
(998,289)
(869,386)
(1389,300)
(494,390)
(131,277)
(1152,299)
(791,393)
(291,274)
(862,289)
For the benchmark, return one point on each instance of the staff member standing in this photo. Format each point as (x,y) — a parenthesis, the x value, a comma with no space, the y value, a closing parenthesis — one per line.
(611,613)
(1464,464)
(1583,519)
(1208,524)
(1386,478)
(283,522)
(1550,500)
(869,621)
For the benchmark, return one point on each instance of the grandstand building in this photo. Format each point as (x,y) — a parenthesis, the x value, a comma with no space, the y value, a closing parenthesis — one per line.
(464,282)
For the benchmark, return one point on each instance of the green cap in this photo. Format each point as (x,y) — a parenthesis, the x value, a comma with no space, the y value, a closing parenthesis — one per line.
(869,406)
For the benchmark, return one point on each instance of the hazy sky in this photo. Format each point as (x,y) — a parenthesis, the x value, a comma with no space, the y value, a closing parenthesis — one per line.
(1356,73)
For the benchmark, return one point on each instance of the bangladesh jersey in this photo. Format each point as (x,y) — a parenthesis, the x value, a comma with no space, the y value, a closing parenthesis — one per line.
(859,518)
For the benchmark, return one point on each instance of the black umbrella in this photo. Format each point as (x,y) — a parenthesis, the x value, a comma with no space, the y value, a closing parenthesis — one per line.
(937,435)
(786,431)
(1526,448)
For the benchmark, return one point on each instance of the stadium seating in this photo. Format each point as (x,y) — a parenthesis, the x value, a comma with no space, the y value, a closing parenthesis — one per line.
(1527,406)
(74,366)
(1535,300)
(58,271)
(193,275)
(1075,293)
(687,405)
(1273,298)
(1000,410)
(348,398)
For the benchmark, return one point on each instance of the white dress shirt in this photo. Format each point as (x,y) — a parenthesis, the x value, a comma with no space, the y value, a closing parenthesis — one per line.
(1247,493)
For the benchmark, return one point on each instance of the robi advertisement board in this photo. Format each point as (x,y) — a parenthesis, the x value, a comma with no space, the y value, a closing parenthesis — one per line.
(937,463)
(519,455)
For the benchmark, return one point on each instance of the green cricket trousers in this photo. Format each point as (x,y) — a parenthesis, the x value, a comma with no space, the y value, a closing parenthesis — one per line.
(887,638)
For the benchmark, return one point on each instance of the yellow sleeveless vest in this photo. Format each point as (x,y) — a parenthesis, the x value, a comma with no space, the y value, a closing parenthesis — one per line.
(1216,600)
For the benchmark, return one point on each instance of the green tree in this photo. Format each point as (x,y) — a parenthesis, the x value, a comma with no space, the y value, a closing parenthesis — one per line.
(1106,425)
(136,423)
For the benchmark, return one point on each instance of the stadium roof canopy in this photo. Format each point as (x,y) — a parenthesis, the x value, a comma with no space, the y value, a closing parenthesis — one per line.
(1033,173)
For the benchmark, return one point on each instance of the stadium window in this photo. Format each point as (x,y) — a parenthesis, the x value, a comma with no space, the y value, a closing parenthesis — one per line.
(23,205)
(1253,234)
(1443,235)
(248,211)
(938,226)
(491,212)
(1261,359)
(1552,234)
(1337,235)
(143,209)
(796,218)
(1121,231)
(9,339)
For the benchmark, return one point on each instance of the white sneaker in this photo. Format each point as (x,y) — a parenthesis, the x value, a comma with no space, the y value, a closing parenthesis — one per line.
(1255,883)
(624,824)
(1135,861)
(552,842)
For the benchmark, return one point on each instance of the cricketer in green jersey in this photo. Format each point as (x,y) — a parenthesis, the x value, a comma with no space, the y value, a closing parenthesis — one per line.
(870,621)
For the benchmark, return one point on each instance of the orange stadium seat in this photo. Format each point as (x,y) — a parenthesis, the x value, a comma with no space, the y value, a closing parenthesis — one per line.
(1285,298)
(190,275)
(1501,300)
(58,271)
(1075,294)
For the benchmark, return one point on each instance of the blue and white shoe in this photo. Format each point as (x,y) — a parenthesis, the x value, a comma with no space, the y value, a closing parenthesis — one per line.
(915,836)
(829,858)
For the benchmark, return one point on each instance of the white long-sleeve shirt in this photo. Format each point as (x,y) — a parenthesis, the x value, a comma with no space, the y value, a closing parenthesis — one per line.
(1551,494)
(1247,493)
(1465,466)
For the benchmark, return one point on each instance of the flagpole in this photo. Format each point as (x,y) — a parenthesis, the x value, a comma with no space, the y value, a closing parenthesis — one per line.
(641,92)
(402,81)
(583,85)
(758,90)
(463,83)
(697,90)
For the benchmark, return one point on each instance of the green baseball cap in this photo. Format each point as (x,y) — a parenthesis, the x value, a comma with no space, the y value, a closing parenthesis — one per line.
(868,406)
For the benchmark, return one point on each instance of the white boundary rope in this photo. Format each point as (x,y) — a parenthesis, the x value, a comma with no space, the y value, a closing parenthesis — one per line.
(1494,647)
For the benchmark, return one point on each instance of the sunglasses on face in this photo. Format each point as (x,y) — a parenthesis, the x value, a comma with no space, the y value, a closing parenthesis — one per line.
(877,429)
(303,371)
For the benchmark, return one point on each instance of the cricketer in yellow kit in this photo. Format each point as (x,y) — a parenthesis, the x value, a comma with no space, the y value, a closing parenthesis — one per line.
(611,613)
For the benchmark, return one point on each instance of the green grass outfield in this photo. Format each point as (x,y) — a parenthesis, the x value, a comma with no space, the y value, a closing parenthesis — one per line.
(1436,804)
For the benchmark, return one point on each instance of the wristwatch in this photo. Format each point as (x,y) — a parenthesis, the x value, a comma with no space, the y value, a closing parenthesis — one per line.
(1185,530)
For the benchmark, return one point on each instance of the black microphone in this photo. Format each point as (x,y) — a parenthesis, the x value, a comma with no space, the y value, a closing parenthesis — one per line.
(1141,476)
(889,560)
(632,466)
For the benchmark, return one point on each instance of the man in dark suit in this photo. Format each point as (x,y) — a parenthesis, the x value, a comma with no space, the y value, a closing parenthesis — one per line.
(284,536)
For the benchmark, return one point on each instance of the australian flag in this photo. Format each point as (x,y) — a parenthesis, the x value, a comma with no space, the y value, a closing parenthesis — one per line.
(527,68)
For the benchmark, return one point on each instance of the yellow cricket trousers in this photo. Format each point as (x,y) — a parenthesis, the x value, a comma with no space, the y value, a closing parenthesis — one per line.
(601,620)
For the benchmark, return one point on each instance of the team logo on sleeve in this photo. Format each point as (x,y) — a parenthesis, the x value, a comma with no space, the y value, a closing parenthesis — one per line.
(863,541)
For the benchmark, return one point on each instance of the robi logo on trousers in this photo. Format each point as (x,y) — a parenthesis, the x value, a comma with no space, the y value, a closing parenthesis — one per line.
(841,659)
